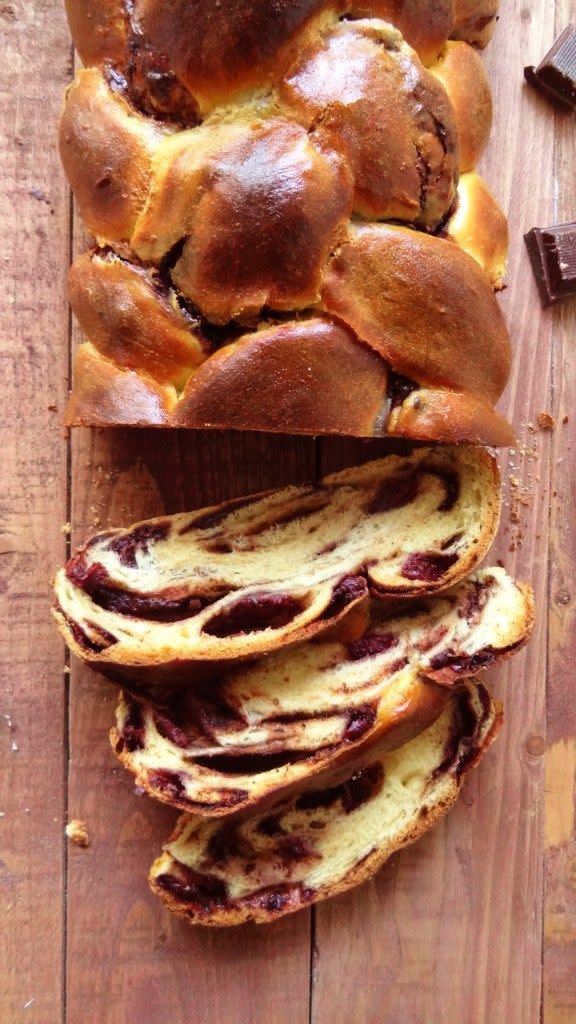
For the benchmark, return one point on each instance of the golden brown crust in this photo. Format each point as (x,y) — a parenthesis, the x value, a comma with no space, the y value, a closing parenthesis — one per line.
(475,21)
(99,29)
(268,217)
(226,48)
(106,148)
(479,226)
(425,24)
(450,416)
(310,376)
(106,395)
(388,110)
(461,71)
(247,215)
(422,304)
(133,319)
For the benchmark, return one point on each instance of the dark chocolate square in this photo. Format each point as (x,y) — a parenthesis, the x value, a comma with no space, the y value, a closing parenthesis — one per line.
(556,73)
(552,254)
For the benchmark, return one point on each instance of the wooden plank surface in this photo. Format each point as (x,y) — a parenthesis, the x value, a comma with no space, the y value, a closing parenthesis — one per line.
(475,925)
(559,952)
(34,213)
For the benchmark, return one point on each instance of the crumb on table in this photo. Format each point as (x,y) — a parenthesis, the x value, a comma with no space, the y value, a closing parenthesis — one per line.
(76,831)
(546,421)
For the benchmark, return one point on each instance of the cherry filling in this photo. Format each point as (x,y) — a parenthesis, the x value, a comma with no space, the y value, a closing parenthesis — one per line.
(132,733)
(255,612)
(348,590)
(170,731)
(427,567)
(87,643)
(127,545)
(460,748)
(169,783)
(359,722)
(476,599)
(370,645)
(155,89)
(464,663)
(169,606)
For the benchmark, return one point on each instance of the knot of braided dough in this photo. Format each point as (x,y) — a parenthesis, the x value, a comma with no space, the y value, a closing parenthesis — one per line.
(290,234)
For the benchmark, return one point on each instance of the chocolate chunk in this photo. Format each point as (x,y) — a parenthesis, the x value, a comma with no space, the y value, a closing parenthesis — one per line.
(556,73)
(552,254)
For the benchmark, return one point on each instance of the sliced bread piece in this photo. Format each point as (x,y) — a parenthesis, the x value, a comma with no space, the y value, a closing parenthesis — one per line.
(250,576)
(267,726)
(329,836)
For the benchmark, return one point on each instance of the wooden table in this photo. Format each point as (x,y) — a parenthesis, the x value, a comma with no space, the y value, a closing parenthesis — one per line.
(476,924)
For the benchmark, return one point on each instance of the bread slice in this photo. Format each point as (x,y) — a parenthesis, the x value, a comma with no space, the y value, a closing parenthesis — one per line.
(267,726)
(250,576)
(330,835)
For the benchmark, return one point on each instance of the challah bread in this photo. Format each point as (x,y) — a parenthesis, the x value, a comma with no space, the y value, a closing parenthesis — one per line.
(331,833)
(236,165)
(264,727)
(252,575)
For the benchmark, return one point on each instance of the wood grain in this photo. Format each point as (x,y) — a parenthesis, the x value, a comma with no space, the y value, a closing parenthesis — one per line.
(559,954)
(451,930)
(475,925)
(34,213)
(127,957)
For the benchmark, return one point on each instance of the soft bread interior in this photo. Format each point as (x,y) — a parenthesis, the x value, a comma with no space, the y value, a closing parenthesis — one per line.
(266,726)
(325,839)
(242,579)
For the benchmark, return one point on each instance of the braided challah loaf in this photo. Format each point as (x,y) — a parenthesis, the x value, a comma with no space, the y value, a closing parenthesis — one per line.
(290,234)
(253,734)
(333,832)
(250,576)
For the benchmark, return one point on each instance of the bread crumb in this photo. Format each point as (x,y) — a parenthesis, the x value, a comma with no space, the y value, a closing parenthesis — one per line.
(546,421)
(66,528)
(514,481)
(76,831)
